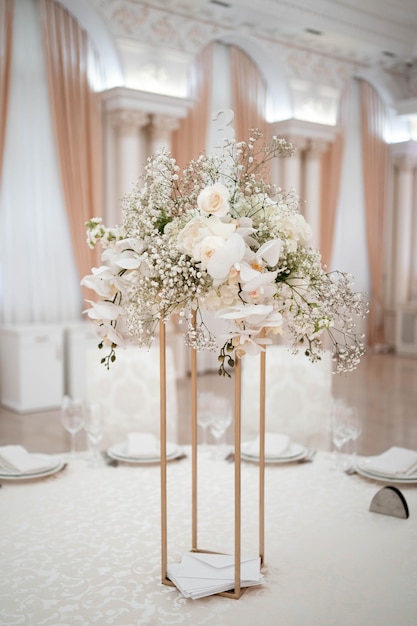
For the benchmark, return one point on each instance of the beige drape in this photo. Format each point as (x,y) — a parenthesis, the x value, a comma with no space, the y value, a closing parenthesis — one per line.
(77,123)
(331,168)
(249,95)
(6,32)
(375,166)
(190,140)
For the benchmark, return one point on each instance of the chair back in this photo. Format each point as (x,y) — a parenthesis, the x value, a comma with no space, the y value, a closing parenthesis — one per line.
(129,392)
(297,398)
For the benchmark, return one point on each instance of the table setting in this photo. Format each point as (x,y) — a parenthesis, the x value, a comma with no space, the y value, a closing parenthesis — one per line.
(278,449)
(83,544)
(396,465)
(16,463)
(143,448)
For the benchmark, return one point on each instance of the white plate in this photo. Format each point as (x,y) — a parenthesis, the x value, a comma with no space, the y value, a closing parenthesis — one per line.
(58,465)
(294,452)
(118,452)
(386,478)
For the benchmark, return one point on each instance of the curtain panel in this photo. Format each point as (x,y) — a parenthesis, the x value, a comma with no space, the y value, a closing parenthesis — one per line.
(249,94)
(374,118)
(6,36)
(38,279)
(331,167)
(76,113)
(190,139)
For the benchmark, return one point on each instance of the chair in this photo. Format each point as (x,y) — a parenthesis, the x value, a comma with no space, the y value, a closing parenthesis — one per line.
(129,392)
(297,398)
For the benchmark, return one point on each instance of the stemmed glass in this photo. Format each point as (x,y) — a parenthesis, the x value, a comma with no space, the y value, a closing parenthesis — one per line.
(355,429)
(93,426)
(72,418)
(221,418)
(339,428)
(204,411)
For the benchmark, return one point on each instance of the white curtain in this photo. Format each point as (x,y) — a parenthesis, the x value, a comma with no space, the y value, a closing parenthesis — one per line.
(350,221)
(38,279)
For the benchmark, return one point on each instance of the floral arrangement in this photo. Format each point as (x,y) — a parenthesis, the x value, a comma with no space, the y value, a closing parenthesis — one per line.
(218,237)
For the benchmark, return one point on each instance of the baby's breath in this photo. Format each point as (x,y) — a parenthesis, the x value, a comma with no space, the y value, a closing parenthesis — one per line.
(168,254)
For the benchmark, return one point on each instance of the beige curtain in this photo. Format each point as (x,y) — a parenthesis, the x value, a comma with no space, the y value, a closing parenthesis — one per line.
(331,168)
(375,167)
(6,28)
(190,139)
(249,95)
(77,123)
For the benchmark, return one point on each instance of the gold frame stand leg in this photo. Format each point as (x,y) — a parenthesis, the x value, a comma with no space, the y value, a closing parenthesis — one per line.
(237,592)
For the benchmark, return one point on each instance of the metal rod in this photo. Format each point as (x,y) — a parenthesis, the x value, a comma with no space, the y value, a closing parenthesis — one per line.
(237,437)
(194,476)
(262,378)
(163,441)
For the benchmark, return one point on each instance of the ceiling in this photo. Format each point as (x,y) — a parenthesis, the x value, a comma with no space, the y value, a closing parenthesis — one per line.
(382,32)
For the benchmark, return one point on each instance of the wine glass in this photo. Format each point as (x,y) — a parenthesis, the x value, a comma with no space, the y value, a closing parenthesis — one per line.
(93,426)
(355,429)
(339,428)
(221,418)
(204,409)
(72,418)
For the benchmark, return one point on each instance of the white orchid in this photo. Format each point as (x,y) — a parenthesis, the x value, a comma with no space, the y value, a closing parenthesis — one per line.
(226,257)
(219,238)
(247,342)
(110,336)
(270,252)
(104,310)
(245,227)
(260,288)
(257,315)
(101,281)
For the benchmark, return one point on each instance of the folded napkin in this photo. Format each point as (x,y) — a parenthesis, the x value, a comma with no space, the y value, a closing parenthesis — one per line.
(393,461)
(203,574)
(275,444)
(16,459)
(142,445)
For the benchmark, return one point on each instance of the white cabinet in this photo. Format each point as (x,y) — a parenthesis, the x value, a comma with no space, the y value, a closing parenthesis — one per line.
(31,367)
(79,340)
(406,330)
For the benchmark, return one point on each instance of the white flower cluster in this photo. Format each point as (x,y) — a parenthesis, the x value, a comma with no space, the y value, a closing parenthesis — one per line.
(218,237)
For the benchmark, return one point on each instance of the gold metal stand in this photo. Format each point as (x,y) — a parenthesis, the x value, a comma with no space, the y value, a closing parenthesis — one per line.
(163,443)
(238,590)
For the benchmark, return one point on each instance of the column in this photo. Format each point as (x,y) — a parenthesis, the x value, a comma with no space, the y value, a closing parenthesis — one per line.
(111,214)
(312,190)
(161,132)
(131,146)
(292,166)
(403,228)
(129,138)
(125,164)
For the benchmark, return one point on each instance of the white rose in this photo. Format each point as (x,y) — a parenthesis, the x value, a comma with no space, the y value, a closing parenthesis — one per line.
(209,245)
(191,235)
(304,230)
(296,229)
(211,301)
(229,294)
(214,200)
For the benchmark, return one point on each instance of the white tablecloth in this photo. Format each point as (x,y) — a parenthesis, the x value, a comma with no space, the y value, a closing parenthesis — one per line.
(83,548)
